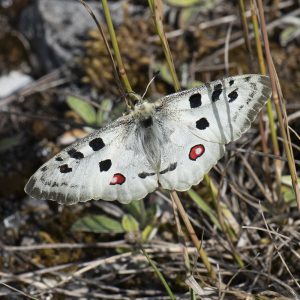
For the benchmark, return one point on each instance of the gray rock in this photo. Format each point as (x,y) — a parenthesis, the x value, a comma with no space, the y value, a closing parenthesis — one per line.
(56,29)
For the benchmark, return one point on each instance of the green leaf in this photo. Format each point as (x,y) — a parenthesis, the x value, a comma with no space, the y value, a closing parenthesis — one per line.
(164,73)
(204,207)
(194,84)
(287,180)
(130,224)
(288,34)
(204,5)
(180,3)
(98,224)
(85,110)
(134,208)
(287,188)
(149,232)
(104,110)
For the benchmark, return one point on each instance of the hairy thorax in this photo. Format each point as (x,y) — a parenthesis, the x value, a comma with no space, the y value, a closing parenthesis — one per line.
(149,132)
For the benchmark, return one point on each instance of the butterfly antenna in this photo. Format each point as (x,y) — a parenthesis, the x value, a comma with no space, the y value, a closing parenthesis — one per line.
(148,85)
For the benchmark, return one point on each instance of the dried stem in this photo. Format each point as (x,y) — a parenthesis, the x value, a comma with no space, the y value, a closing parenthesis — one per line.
(112,34)
(193,235)
(245,27)
(279,105)
(181,240)
(156,9)
(262,68)
(115,70)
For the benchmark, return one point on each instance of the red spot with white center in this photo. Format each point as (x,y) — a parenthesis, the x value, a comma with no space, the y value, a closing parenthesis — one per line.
(118,179)
(196,151)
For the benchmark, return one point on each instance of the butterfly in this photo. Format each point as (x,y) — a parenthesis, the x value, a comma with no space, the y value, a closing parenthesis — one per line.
(172,142)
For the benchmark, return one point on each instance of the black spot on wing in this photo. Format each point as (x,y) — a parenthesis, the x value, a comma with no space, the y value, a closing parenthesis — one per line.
(65,169)
(143,175)
(44,168)
(247,79)
(75,154)
(147,122)
(232,96)
(249,100)
(195,100)
(58,158)
(252,94)
(96,144)
(164,171)
(170,168)
(253,86)
(202,124)
(48,183)
(216,92)
(231,82)
(105,165)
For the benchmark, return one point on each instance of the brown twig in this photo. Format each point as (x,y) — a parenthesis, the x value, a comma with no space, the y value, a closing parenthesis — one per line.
(193,235)
(278,102)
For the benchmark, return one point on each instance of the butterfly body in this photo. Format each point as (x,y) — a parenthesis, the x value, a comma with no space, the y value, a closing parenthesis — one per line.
(171,143)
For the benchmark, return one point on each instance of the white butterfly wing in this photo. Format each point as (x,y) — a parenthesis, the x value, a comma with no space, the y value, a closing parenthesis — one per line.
(221,110)
(185,157)
(202,120)
(104,165)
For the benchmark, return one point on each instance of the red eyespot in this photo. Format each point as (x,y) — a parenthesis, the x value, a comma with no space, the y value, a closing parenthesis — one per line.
(196,151)
(117,179)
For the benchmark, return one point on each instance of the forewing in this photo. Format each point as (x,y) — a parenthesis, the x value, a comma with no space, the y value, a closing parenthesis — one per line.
(200,121)
(221,110)
(107,164)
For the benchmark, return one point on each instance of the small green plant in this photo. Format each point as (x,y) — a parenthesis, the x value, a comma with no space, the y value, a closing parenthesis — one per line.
(136,220)
(88,113)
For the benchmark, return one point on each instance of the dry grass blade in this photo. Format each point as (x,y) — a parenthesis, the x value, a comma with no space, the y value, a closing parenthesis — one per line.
(193,235)
(271,120)
(115,70)
(18,291)
(156,8)
(120,65)
(278,102)
(245,27)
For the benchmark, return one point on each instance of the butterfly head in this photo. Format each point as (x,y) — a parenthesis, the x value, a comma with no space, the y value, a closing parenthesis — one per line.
(143,110)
